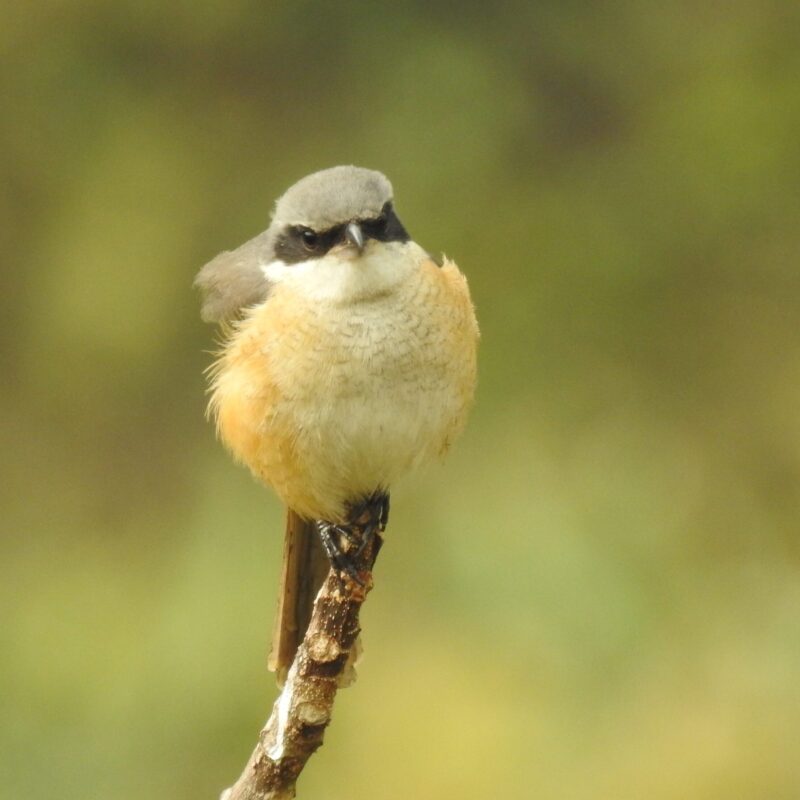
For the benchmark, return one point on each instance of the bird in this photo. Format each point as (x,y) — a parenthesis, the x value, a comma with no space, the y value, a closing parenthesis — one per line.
(348,357)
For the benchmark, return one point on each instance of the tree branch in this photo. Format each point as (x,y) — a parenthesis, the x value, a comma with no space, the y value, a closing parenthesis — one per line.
(304,707)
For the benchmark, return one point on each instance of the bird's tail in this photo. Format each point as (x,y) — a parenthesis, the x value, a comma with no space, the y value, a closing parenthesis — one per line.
(305,567)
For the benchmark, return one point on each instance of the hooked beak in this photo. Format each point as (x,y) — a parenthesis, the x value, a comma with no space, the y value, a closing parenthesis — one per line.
(355,235)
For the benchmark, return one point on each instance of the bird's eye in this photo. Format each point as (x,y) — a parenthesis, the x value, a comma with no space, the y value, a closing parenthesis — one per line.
(310,239)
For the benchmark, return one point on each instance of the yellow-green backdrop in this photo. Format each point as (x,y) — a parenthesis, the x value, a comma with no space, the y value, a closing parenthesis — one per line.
(598,596)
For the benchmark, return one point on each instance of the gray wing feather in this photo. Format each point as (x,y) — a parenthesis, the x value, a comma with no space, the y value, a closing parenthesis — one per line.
(235,280)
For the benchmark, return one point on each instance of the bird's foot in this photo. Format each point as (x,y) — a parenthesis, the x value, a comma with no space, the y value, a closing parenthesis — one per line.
(346,543)
(342,546)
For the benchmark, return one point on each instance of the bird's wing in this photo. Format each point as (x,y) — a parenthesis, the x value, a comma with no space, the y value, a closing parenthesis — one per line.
(234,280)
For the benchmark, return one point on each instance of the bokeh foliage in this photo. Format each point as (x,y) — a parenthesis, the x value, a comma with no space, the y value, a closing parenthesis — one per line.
(598,596)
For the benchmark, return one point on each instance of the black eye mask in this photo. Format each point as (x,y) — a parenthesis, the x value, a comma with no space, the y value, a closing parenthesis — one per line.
(297,243)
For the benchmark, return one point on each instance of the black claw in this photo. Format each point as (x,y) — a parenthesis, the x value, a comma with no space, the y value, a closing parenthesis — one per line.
(343,561)
(384,512)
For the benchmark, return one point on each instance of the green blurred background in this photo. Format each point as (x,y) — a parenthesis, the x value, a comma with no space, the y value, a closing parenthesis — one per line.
(598,595)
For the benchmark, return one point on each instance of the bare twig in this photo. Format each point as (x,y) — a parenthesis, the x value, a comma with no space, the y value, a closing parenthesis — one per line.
(301,713)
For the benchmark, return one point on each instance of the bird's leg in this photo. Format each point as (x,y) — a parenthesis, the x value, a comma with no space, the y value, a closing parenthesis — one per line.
(335,541)
(345,543)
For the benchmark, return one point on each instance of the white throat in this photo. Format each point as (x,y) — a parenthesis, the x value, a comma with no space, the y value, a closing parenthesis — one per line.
(342,278)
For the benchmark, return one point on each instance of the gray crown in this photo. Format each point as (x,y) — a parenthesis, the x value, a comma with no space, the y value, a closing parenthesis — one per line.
(333,196)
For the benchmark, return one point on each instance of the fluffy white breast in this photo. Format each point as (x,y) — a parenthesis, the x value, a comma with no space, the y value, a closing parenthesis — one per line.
(376,395)
(352,371)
